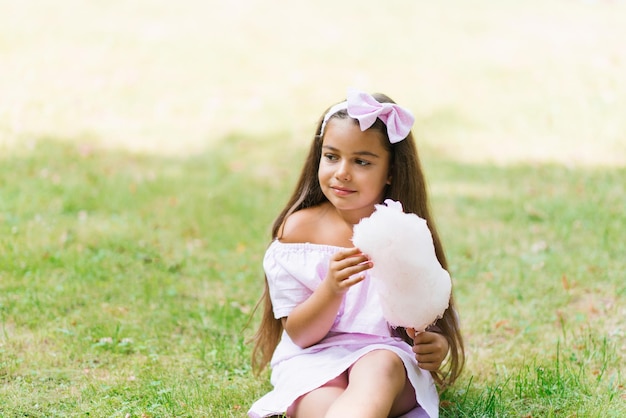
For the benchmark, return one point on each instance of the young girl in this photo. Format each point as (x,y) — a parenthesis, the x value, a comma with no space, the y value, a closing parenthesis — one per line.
(331,351)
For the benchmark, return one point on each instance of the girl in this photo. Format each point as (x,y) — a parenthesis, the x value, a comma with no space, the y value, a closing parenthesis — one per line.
(331,351)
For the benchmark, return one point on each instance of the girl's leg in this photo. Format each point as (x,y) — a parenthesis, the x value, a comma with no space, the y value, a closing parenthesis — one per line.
(377,387)
(315,403)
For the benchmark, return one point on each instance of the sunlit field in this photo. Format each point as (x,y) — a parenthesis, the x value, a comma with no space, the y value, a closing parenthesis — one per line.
(146,146)
(508,81)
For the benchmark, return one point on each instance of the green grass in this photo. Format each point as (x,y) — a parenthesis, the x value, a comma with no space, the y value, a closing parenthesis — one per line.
(127,282)
(146,146)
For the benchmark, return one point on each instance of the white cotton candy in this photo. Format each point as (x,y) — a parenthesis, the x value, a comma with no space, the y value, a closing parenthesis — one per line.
(414,289)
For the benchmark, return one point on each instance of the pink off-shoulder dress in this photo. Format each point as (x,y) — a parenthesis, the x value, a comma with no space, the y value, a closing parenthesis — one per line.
(293,272)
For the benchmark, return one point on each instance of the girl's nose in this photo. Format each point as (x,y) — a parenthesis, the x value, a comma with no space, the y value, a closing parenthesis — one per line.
(343,172)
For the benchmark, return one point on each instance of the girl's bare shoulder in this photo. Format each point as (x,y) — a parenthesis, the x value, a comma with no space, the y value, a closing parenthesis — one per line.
(303,225)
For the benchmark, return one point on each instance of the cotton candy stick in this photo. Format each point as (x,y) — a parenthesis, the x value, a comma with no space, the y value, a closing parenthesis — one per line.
(414,289)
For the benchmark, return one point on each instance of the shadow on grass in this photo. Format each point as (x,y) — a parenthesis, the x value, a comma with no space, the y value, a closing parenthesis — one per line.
(143,270)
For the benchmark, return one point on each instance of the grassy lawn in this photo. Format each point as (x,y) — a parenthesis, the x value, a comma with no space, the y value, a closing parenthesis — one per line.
(127,282)
(146,147)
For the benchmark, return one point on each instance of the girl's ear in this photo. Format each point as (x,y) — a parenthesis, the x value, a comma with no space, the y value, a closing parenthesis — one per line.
(389,180)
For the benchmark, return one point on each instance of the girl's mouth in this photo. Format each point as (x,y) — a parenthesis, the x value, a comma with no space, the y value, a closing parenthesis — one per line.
(341,191)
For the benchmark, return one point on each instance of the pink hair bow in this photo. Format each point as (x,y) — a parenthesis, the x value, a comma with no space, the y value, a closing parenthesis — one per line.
(366,109)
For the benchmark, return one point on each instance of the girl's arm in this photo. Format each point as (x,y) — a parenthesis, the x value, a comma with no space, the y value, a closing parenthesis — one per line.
(310,321)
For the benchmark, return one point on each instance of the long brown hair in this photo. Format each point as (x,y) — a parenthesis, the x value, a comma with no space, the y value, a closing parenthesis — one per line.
(408,186)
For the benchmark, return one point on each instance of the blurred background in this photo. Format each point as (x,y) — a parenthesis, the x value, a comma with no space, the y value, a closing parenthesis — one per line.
(502,82)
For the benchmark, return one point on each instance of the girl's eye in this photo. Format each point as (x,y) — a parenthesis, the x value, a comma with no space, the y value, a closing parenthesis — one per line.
(362,162)
(330,157)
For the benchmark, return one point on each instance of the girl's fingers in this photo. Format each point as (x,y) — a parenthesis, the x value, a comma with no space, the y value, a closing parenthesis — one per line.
(351,269)
(429,367)
(425,348)
(429,360)
(350,262)
(429,341)
(352,280)
(429,357)
(346,266)
(343,254)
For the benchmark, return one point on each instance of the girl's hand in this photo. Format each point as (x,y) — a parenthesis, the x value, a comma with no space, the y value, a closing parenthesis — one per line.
(430,349)
(344,269)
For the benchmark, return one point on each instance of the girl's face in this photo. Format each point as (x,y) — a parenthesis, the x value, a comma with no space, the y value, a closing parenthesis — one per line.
(354,167)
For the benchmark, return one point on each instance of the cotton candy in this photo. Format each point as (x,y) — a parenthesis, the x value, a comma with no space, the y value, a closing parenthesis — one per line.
(413,287)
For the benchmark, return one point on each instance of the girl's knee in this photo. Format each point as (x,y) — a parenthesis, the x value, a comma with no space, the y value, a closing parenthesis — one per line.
(387,357)
(383,362)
